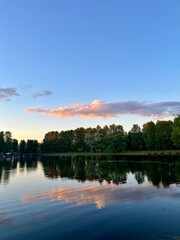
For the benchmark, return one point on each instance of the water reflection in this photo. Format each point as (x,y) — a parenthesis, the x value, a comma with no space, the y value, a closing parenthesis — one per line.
(5,220)
(10,168)
(162,172)
(105,182)
(102,195)
(90,198)
(77,196)
(107,169)
(5,167)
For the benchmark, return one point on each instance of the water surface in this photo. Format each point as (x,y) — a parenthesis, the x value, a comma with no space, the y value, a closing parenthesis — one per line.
(102,197)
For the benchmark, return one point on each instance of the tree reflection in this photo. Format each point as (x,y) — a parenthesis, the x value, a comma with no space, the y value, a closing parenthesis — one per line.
(5,167)
(10,168)
(112,170)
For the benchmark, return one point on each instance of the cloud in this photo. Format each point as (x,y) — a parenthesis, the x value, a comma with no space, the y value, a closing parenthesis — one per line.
(25,86)
(7,93)
(100,109)
(42,94)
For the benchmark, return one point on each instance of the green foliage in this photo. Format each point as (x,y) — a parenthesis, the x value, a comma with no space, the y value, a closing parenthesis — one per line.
(1,141)
(114,139)
(7,143)
(158,136)
(164,135)
(176,132)
(31,146)
(22,146)
(50,142)
(136,138)
(65,141)
(15,145)
(79,140)
(149,130)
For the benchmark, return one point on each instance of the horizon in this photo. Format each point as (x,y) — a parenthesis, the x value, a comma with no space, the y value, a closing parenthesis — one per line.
(125,130)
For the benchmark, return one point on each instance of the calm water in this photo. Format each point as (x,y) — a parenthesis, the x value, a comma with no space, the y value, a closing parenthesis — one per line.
(90,198)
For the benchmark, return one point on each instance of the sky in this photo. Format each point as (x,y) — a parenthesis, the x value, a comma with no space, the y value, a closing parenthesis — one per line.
(66,64)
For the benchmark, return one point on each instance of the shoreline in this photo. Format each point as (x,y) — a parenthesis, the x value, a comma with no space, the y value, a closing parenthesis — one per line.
(133,153)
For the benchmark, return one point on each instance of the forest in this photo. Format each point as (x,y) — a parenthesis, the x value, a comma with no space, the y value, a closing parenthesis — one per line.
(162,135)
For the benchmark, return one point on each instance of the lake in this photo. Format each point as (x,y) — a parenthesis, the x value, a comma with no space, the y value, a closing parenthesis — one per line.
(90,197)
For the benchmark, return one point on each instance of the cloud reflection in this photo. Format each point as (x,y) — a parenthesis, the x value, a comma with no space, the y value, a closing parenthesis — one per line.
(102,195)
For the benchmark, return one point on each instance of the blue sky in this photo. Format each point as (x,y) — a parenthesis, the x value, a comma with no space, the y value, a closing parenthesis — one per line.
(65,52)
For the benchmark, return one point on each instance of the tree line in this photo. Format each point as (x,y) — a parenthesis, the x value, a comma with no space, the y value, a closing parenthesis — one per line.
(10,145)
(162,135)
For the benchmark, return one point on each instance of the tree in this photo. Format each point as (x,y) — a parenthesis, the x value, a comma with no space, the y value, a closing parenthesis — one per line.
(31,146)
(176,132)
(114,141)
(66,139)
(116,129)
(91,139)
(136,139)
(15,145)
(163,135)
(8,141)
(79,140)
(149,130)
(1,141)
(50,142)
(22,146)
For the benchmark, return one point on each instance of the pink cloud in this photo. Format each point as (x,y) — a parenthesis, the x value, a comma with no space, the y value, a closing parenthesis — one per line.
(100,109)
